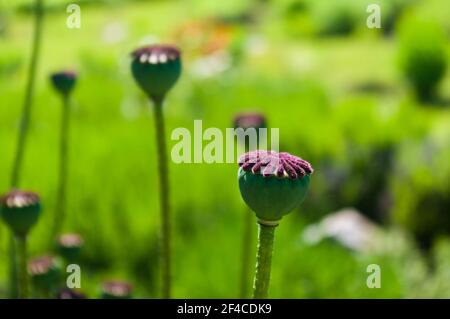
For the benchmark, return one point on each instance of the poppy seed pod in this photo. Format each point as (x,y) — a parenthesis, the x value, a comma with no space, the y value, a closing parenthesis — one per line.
(116,290)
(69,246)
(67,293)
(45,272)
(250,120)
(247,121)
(20,210)
(64,81)
(273,184)
(156,69)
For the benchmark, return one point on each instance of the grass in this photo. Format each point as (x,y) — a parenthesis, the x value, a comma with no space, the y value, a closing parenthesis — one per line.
(113,198)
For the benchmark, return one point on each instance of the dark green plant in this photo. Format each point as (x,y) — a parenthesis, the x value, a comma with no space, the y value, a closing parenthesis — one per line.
(67,293)
(23,128)
(156,69)
(247,121)
(45,275)
(435,223)
(334,18)
(422,56)
(64,83)
(69,247)
(20,211)
(116,290)
(392,10)
(425,214)
(272,184)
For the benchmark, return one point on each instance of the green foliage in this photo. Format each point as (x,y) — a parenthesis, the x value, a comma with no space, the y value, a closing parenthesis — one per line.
(335,18)
(391,12)
(10,61)
(423,55)
(422,208)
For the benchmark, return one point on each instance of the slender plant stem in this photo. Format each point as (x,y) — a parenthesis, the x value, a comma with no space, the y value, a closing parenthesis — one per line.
(246,245)
(13,277)
(23,130)
(29,93)
(60,212)
(246,252)
(263,261)
(23,275)
(164,197)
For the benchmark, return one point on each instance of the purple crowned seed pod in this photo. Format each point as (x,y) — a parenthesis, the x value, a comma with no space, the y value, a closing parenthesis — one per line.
(69,246)
(67,293)
(45,273)
(156,69)
(116,290)
(250,120)
(64,81)
(20,210)
(273,184)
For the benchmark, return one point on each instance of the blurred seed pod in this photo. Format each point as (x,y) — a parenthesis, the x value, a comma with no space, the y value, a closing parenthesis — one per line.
(250,120)
(64,81)
(69,246)
(156,69)
(66,293)
(45,272)
(247,121)
(116,290)
(20,210)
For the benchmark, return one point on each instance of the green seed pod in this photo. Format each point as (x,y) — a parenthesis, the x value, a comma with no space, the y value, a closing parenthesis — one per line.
(67,293)
(250,120)
(156,69)
(20,210)
(69,246)
(64,82)
(247,121)
(273,184)
(116,290)
(45,273)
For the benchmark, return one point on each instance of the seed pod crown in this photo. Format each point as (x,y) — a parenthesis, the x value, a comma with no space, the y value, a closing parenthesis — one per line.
(273,184)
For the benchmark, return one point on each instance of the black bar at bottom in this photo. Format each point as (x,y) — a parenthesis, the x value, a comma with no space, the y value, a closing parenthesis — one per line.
(228,308)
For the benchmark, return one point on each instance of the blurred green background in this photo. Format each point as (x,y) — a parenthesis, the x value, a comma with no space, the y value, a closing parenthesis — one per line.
(368,108)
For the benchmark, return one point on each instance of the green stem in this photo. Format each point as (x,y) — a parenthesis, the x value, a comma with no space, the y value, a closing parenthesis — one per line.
(63,164)
(246,252)
(13,278)
(22,271)
(164,197)
(263,261)
(23,129)
(29,92)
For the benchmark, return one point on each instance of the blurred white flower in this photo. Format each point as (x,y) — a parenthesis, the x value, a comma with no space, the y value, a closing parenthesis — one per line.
(348,227)
(114,32)
(256,45)
(211,65)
